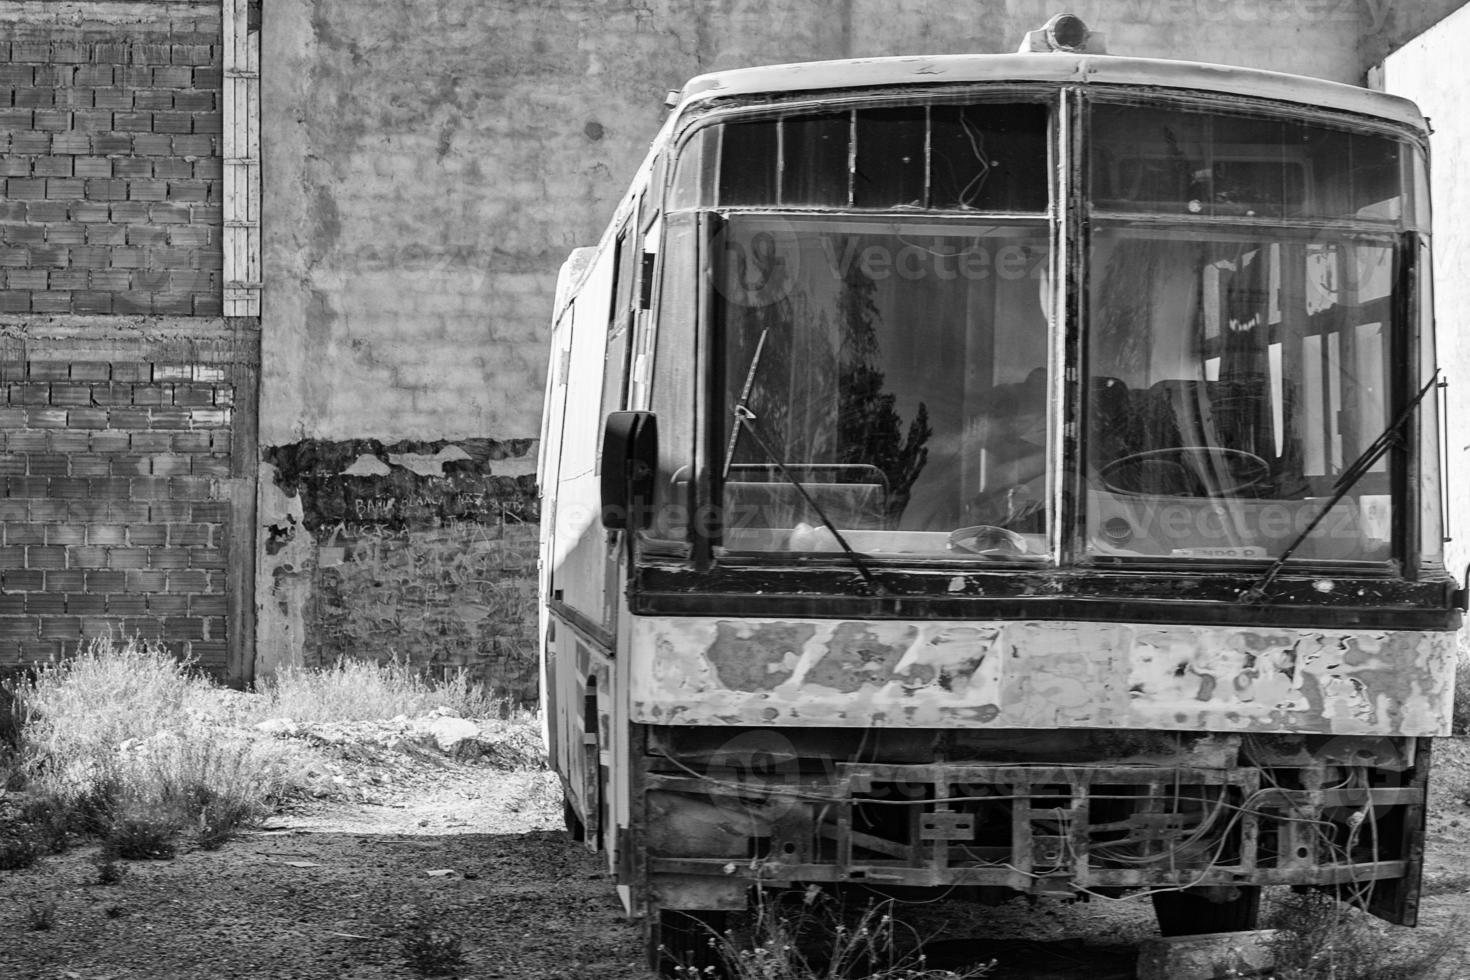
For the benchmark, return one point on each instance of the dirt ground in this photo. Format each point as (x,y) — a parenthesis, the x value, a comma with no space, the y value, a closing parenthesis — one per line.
(476,854)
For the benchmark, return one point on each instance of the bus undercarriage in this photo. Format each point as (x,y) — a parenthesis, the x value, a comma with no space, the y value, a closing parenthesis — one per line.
(995,813)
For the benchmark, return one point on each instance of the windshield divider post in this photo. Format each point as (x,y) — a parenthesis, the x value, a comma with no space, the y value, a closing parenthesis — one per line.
(1405,348)
(705,528)
(1069,286)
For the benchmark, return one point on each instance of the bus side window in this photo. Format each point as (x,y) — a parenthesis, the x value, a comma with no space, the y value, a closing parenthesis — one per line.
(620,323)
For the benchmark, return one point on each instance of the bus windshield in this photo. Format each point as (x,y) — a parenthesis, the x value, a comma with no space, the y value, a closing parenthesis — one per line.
(1243,287)
(889,303)
(896,369)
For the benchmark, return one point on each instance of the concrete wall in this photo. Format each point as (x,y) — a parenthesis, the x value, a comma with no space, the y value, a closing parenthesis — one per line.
(1427,71)
(428,165)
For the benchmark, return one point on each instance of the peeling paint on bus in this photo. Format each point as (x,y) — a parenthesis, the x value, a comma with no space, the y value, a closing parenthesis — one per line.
(709,670)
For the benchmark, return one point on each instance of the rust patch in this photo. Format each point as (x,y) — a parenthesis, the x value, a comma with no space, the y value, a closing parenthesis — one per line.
(857,655)
(953,657)
(756,656)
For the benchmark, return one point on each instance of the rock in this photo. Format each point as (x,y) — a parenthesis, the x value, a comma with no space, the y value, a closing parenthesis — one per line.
(449,732)
(277,726)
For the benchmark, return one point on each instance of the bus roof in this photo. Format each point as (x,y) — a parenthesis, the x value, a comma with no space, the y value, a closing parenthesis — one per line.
(1057,67)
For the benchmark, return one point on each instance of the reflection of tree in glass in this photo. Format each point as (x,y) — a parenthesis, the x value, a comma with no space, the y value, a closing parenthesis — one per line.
(868,428)
(1121,343)
(768,397)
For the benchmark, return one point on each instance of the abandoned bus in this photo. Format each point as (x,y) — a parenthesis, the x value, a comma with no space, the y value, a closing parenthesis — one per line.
(980,475)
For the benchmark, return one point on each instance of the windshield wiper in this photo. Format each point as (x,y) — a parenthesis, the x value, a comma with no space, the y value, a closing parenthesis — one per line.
(755,362)
(745,418)
(1345,482)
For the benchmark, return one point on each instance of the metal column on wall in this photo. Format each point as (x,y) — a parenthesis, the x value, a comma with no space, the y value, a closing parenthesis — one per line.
(241,151)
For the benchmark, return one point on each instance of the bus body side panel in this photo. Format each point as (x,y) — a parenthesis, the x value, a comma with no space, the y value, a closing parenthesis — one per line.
(553,706)
(579,554)
(575,554)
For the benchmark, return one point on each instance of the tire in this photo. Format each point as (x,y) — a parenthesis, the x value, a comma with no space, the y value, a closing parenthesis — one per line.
(1189,913)
(687,938)
(576,830)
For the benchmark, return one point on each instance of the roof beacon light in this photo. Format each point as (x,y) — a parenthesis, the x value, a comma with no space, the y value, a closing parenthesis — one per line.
(1066,33)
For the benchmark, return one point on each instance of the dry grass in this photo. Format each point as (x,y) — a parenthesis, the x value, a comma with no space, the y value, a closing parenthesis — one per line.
(125,740)
(354,690)
(815,939)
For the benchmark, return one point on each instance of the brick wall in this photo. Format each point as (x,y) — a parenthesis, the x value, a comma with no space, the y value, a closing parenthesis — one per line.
(110,171)
(110,518)
(126,399)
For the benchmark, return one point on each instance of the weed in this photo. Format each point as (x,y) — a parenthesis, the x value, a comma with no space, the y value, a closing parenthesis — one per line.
(815,940)
(12,710)
(41,916)
(12,720)
(219,818)
(142,836)
(109,870)
(19,848)
(90,811)
(50,823)
(432,953)
(1319,938)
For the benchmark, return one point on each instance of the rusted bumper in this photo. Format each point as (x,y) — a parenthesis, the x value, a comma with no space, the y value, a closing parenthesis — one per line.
(893,673)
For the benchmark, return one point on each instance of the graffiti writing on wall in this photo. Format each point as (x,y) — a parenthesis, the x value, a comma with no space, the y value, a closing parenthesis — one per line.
(356,487)
(421,552)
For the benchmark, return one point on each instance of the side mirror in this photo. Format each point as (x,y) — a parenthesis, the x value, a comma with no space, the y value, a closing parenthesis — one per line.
(629,462)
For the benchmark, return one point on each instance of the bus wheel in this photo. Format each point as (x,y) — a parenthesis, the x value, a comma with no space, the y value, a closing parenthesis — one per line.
(576,829)
(689,938)
(1195,912)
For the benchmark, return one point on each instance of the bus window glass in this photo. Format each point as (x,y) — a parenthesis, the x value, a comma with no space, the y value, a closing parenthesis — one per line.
(694,170)
(980,157)
(1233,378)
(671,386)
(749,161)
(889,166)
(989,157)
(814,169)
(893,368)
(1210,164)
